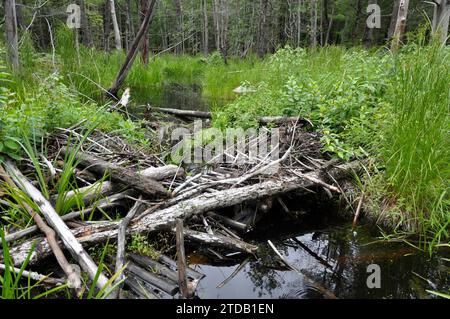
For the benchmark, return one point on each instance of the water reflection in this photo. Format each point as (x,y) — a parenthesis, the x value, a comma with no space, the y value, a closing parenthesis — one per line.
(335,260)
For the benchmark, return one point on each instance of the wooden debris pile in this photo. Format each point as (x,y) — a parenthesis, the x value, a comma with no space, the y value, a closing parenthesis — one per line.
(112,176)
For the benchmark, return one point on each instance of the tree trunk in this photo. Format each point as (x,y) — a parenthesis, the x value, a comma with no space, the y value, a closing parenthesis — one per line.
(368,34)
(205,28)
(12,33)
(393,19)
(86,34)
(145,41)
(313,24)
(117,36)
(180,26)
(133,50)
(400,26)
(441,19)
(357,20)
(106,24)
(262,38)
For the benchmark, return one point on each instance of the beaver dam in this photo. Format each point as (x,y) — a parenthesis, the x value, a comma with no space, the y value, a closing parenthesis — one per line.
(134,227)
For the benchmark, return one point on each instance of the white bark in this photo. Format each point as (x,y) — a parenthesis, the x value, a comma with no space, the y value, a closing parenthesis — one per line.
(117,37)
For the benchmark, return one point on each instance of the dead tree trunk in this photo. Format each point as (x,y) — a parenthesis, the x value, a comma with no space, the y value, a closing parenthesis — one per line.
(131,56)
(393,19)
(117,36)
(441,19)
(400,26)
(145,41)
(121,175)
(11,33)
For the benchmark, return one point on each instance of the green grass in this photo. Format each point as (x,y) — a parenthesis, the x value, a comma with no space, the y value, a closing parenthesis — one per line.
(415,144)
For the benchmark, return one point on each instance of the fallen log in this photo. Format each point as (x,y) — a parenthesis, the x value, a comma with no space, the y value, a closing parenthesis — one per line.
(182,113)
(105,188)
(15,180)
(181,260)
(120,175)
(152,279)
(108,202)
(165,218)
(265,120)
(70,242)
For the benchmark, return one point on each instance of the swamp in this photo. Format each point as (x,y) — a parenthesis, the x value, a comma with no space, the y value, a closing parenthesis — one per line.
(224,149)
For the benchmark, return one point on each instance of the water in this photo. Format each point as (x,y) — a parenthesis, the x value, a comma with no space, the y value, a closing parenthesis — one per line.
(335,259)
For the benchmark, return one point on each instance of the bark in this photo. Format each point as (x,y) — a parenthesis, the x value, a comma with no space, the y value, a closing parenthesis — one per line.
(400,26)
(131,56)
(106,24)
(181,260)
(394,16)
(145,41)
(121,175)
(12,41)
(205,28)
(314,24)
(86,33)
(117,36)
(263,32)
(70,242)
(441,19)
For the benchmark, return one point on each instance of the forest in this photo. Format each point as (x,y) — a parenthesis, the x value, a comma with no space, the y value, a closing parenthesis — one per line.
(221,149)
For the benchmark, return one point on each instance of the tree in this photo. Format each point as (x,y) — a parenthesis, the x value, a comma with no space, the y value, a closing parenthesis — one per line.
(86,33)
(441,19)
(11,33)
(313,23)
(145,41)
(205,28)
(131,56)
(400,26)
(117,36)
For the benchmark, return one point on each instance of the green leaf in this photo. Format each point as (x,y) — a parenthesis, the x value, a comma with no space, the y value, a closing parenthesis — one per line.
(12,145)
(1,147)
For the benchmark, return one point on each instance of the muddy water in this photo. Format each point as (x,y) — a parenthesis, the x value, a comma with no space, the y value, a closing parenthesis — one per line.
(333,259)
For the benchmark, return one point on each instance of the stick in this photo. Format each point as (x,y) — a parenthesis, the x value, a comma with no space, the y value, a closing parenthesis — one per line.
(121,245)
(35,276)
(182,279)
(77,251)
(234,273)
(328,294)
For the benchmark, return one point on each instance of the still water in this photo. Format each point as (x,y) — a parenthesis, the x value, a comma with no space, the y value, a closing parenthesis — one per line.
(334,259)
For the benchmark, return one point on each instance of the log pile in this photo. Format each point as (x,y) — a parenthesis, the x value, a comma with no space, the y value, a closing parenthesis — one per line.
(155,196)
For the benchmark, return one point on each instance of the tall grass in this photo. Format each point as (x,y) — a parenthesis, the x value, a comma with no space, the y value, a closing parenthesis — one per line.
(415,145)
